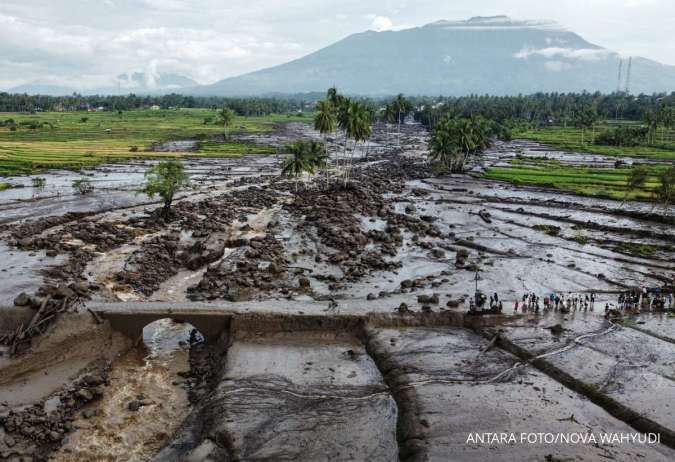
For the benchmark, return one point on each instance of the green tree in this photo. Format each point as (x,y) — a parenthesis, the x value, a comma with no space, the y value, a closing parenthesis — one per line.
(585,119)
(651,119)
(636,180)
(665,193)
(82,186)
(325,121)
(401,107)
(455,140)
(667,117)
(303,159)
(443,148)
(165,179)
(226,119)
(388,116)
(355,119)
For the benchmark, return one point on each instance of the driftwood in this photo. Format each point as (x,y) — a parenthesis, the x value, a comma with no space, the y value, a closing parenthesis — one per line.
(45,314)
(491,344)
(37,315)
(95,315)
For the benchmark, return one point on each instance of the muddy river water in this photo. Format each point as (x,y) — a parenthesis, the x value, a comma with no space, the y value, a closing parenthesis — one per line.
(382,364)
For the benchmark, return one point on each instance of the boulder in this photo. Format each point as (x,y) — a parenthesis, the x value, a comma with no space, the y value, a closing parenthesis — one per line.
(22,299)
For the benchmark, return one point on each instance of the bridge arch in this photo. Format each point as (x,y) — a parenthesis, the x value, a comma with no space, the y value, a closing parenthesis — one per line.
(132,324)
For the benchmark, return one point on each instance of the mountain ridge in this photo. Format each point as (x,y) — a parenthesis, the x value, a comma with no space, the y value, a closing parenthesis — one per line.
(136,82)
(495,55)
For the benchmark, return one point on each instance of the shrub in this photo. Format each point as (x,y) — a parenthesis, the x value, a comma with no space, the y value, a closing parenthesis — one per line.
(622,136)
(82,186)
(581,238)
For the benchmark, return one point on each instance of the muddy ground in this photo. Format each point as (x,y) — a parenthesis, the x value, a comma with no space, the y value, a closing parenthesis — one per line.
(397,241)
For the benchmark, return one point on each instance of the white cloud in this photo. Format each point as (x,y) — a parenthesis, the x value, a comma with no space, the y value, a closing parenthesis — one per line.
(556,66)
(381,23)
(166,5)
(637,3)
(66,40)
(584,54)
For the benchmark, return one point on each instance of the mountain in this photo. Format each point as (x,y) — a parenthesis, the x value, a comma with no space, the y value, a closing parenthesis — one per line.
(137,82)
(495,55)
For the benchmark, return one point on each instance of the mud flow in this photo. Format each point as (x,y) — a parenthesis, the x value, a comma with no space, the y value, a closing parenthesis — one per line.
(327,318)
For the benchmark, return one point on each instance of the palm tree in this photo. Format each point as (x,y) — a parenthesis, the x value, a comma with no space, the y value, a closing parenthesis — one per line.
(401,107)
(345,117)
(652,120)
(455,139)
(355,119)
(319,158)
(299,162)
(325,122)
(443,147)
(667,116)
(387,116)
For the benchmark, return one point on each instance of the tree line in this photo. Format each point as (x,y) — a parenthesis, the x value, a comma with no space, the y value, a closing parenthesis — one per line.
(542,109)
(242,106)
(536,109)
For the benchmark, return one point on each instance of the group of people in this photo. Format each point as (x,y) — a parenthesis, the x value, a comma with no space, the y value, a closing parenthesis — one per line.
(645,299)
(556,301)
(633,300)
(480,300)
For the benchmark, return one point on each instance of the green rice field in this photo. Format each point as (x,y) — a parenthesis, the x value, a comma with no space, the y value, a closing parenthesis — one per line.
(607,183)
(570,139)
(80,139)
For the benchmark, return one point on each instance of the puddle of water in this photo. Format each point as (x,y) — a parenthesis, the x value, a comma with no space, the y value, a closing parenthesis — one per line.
(20,272)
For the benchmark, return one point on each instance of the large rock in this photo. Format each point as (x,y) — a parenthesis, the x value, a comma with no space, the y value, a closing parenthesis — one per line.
(205,252)
(22,299)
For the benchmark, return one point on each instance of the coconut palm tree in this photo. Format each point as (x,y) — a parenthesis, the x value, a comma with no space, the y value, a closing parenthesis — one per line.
(299,162)
(387,116)
(355,119)
(401,106)
(651,119)
(443,147)
(325,121)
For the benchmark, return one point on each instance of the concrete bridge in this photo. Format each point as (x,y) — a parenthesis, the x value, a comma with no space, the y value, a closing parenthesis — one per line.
(213,320)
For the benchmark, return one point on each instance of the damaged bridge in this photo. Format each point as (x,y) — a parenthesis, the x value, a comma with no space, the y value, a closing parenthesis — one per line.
(212,320)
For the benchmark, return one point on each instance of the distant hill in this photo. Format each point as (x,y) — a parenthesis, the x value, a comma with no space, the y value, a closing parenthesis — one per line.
(495,55)
(137,82)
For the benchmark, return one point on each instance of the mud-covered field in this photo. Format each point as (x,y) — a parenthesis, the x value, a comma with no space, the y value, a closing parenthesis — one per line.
(347,336)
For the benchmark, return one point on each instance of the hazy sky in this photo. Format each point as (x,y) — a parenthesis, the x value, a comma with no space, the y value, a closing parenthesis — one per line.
(86,43)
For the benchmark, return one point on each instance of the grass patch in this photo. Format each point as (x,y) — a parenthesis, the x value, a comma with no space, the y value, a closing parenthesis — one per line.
(569,139)
(581,238)
(607,183)
(64,140)
(633,248)
(551,230)
(4,185)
